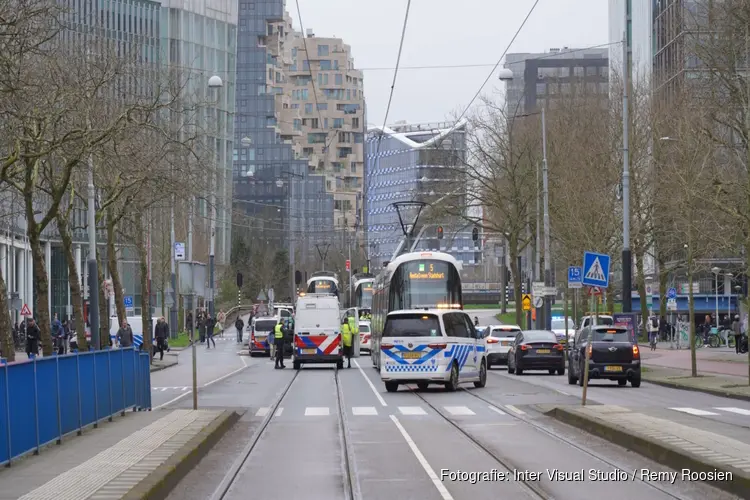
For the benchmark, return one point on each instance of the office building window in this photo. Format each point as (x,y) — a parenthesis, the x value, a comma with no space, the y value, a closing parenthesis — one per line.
(338,123)
(305,65)
(308,108)
(322,50)
(325,64)
(339,79)
(323,106)
(355,122)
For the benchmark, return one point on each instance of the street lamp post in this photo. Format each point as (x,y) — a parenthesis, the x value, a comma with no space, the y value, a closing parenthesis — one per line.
(92,263)
(716,272)
(292,257)
(213,83)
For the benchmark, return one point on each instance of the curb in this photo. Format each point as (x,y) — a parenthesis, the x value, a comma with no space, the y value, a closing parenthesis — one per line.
(159,484)
(713,392)
(161,367)
(661,453)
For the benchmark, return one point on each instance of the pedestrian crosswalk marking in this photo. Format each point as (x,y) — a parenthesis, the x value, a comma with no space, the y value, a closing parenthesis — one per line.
(364,410)
(411,410)
(458,410)
(739,411)
(278,412)
(164,389)
(515,410)
(595,271)
(497,410)
(694,411)
(262,412)
(316,411)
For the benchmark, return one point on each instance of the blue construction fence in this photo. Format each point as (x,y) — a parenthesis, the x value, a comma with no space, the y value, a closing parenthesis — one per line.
(44,399)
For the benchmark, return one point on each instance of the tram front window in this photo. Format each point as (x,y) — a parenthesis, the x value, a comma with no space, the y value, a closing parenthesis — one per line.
(364,296)
(323,286)
(424,284)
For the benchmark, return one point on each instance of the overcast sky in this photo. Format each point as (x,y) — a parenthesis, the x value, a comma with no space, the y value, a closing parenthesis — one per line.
(445,32)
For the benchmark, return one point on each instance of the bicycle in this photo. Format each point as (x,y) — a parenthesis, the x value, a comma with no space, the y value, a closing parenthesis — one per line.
(717,337)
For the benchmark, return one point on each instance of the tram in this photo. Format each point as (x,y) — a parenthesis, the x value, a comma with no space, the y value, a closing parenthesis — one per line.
(416,280)
(363,287)
(323,282)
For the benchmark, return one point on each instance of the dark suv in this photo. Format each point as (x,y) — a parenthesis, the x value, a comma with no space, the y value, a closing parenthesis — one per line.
(612,355)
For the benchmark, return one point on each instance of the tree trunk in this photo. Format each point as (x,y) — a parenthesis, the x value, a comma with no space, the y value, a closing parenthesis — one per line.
(140,244)
(113,271)
(641,283)
(104,337)
(6,326)
(516,272)
(691,311)
(663,281)
(41,290)
(76,297)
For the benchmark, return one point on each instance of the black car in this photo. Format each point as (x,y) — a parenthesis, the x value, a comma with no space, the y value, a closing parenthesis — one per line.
(612,355)
(536,350)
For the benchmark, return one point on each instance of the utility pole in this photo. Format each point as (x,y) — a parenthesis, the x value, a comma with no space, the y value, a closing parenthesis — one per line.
(547,257)
(627,258)
(292,287)
(173,273)
(92,262)
(537,251)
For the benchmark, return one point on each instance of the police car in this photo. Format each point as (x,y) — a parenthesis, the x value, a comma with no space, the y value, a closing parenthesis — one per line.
(432,346)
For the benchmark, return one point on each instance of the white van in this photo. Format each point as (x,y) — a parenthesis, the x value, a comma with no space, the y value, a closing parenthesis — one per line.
(434,346)
(317,331)
(261,334)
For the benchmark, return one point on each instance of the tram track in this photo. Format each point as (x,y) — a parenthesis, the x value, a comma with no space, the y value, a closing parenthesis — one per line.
(350,483)
(510,466)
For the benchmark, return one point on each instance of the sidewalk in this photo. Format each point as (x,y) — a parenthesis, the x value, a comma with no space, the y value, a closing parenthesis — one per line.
(674,445)
(720,360)
(727,386)
(138,455)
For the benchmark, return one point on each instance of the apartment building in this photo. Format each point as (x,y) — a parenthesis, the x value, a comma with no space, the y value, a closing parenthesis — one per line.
(325,119)
(539,79)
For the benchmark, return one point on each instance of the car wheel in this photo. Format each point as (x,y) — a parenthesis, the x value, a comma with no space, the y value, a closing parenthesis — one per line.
(452,384)
(636,382)
(561,371)
(621,382)
(580,378)
(572,379)
(391,386)
(511,370)
(423,386)
(482,376)
(340,365)
(551,372)
(519,370)
(296,365)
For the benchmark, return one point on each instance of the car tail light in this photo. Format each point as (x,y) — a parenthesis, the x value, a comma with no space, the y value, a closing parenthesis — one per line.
(559,347)
(385,347)
(437,346)
(525,348)
(636,352)
(492,341)
(590,350)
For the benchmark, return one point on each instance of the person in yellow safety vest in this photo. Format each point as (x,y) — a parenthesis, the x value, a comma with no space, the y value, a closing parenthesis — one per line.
(278,337)
(353,326)
(346,339)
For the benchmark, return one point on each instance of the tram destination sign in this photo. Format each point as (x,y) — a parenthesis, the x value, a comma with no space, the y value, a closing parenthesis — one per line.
(426,276)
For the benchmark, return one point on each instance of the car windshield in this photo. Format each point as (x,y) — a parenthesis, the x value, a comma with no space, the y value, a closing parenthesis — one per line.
(603,321)
(559,324)
(364,329)
(264,326)
(613,335)
(539,336)
(412,325)
(505,332)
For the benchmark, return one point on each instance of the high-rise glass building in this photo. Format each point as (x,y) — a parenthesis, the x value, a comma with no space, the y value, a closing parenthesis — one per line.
(638,31)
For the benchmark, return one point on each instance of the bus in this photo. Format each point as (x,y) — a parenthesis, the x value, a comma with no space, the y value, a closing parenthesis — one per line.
(323,282)
(416,280)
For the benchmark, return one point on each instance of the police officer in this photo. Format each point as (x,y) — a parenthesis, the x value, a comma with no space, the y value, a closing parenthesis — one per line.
(346,338)
(278,337)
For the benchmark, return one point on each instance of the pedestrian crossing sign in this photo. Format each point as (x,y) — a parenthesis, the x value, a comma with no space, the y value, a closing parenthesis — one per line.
(25,311)
(596,269)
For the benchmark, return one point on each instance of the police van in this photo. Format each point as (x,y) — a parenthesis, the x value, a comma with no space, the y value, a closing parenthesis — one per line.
(261,334)
(432,346)
(317,331)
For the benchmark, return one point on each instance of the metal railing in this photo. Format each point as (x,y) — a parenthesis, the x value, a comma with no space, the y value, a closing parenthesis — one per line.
(45,399)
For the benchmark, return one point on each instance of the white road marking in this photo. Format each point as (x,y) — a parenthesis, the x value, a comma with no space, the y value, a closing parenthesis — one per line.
(444,493)
(497,410)
(562,392)
(458,410)
(411,410)
(201,387)
(369,382)
(515,410)
(739,411)
(694,411)
(244,363)
(262,412)
(278,413)
(364,410)
(316,411)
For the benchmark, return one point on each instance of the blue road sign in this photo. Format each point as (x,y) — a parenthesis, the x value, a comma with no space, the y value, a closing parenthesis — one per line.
(671,293)
(128,299)
(574,274)
(595,269)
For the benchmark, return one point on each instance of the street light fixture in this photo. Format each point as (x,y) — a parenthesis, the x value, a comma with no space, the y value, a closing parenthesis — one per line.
(505,75)
(716,272)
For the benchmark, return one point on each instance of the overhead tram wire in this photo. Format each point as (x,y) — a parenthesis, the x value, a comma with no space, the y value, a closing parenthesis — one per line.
(395,75)
(332,133)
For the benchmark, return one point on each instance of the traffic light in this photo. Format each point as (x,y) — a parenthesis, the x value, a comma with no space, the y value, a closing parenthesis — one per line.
(507,275)
(475,234)
(440,232)
(239,280)
(297,277)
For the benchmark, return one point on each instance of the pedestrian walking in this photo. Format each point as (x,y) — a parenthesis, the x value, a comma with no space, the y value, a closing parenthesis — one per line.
(239,325)
(278,337)
(32,338)
(221,318)
(210,325)
(201,322)
(161,334)
(189,324)
(125,336)
(737,331)
(346,339)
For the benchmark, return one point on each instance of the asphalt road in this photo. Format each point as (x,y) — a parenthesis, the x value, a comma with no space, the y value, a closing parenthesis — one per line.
(403,445)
